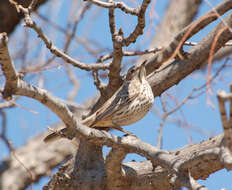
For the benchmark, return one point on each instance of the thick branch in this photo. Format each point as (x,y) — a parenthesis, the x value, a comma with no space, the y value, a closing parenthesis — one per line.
(134,144)
(200,160)
(170,74)
(170,26)
(198,25)
(115,175)
(226,122)
(14,85)
(40,158)
(60,108)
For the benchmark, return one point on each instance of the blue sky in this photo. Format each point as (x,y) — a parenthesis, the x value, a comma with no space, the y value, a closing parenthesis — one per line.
(23,124)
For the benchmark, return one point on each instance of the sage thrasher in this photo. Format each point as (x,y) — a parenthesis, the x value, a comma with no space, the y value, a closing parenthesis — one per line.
(128,105)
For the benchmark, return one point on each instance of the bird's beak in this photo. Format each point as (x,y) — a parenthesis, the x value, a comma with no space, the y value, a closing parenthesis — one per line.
(142,71)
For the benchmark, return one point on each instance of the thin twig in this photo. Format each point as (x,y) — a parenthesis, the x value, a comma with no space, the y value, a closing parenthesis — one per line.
(85,42)
(98,83)
(173,48)
(112,4)
(32,5)
(27,169)
(72,94)
(131,53)
(167,113)
(140,24)
(31,24)
(210,60)
(218,15)
(195,43)
(178,106)
(3,131)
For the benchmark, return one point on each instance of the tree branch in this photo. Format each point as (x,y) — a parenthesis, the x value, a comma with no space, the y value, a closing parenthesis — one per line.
(198,25)
(113,162)
(114,5)
(40,158)
(140,25)
(171,73)
(31,24)
(58,106)
(134,144)
(188,159)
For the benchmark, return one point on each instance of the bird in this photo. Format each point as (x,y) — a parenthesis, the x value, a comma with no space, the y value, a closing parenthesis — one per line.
(129,104)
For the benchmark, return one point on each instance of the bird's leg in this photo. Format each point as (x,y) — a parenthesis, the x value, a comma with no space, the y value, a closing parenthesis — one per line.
(117,127)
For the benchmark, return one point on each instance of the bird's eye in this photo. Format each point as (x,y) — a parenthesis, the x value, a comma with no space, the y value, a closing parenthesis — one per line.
(131,70)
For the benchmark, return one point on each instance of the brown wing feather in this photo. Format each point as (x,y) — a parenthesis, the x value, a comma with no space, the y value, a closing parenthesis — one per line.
(118,100)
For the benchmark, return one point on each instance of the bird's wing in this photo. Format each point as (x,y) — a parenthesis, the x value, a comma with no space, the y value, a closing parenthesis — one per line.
(115,103)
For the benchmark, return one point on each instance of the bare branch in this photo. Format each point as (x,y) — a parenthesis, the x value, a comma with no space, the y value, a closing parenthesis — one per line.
(218,15)
(85,42)
(5,57)
(140,25)
(182,68)
(31,24)
(114,5)
(186,181)
(147,51)
(115,67)
(98,83)
(112,25)
(14,85)
(195,43)
(3,132)
(70,73)
(8,104)
(164,117)
(60,108)
(226,123)
(200,159)
(76,84)
(225,156)
(198,25)
(78,18)
(136,53)
(114,169)
(38,157)
(32,5)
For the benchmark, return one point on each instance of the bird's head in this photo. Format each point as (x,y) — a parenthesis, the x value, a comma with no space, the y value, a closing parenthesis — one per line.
(137,71)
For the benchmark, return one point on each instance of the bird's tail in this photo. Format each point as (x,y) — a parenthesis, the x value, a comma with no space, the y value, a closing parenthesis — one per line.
(57,135)
(63,133)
